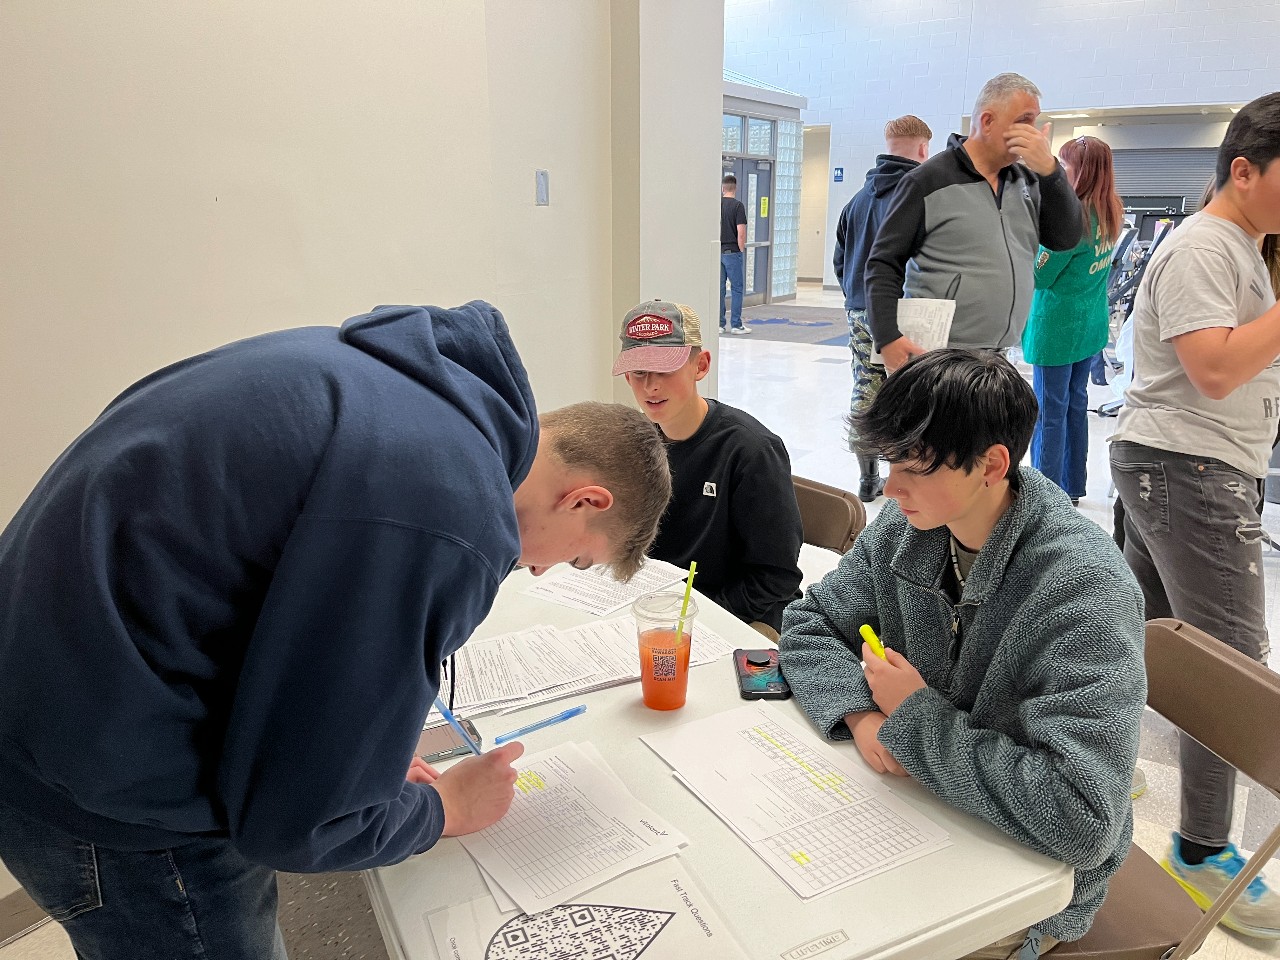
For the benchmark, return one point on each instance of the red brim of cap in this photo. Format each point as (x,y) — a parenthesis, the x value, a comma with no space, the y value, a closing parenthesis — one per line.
(651,360)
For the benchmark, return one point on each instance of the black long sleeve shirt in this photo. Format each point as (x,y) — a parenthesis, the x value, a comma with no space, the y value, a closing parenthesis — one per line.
(733,509)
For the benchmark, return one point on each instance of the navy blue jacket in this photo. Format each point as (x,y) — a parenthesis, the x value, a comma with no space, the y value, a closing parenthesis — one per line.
(224,608)
(858,223)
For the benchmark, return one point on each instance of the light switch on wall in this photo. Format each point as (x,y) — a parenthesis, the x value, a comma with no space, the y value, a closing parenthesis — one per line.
(540,188)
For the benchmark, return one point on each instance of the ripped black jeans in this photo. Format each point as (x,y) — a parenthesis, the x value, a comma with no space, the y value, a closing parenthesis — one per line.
(1193,538)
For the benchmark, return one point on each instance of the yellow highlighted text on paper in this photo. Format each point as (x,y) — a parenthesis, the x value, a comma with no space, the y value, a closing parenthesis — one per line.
(528,780)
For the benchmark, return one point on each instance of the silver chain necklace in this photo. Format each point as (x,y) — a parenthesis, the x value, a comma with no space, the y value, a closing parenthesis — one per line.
(955,565)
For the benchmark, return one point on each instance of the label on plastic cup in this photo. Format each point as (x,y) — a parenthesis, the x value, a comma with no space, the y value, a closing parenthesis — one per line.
(664,668)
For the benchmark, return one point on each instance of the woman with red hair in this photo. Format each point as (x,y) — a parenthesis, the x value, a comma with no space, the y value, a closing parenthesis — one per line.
(1068,320)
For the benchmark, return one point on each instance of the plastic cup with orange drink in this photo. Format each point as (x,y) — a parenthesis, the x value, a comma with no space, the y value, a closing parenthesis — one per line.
(665,639)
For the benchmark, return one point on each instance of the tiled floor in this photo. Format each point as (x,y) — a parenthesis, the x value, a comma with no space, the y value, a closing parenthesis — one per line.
(801,392)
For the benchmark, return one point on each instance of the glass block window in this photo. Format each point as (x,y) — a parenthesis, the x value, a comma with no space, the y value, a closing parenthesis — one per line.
(786,207)
(732,134)
(760,137)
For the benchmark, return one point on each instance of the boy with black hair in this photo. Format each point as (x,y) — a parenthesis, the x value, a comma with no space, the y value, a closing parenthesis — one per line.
(1189,456)
(1014,681)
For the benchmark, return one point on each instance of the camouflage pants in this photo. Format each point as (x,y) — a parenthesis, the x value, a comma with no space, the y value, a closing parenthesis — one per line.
(867,376)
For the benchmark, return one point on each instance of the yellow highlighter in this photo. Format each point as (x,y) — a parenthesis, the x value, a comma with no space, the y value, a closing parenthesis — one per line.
(873,641)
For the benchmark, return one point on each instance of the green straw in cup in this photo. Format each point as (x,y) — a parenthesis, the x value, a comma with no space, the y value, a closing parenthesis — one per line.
(684,607)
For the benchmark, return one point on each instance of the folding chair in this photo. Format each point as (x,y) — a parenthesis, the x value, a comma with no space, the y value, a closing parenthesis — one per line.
(832,518)
(1231,705)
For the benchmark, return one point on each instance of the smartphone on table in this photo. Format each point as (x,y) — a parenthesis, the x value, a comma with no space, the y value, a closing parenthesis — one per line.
(759,677)
(441,741)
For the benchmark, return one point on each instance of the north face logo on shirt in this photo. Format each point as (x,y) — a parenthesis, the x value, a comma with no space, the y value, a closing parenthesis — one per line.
(708,489)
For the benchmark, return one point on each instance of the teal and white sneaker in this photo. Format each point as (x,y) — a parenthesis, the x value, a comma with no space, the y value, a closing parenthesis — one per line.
(1255,914)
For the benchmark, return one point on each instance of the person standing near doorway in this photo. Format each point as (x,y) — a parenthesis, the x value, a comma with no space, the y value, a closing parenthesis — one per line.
(733,244)
(906,146)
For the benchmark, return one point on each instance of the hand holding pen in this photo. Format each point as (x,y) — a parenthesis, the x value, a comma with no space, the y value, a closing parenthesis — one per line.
(477,791)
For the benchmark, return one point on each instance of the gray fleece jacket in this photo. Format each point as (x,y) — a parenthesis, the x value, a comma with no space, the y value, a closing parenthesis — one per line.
(947,235)
(1031,716)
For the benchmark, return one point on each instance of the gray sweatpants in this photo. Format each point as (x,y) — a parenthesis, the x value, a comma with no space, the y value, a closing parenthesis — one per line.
(1193,538)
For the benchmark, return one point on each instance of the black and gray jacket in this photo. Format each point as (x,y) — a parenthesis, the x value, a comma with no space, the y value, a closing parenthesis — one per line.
(947,235)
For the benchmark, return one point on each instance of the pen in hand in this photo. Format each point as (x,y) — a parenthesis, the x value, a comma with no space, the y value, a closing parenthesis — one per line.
(458,728)
(548,722)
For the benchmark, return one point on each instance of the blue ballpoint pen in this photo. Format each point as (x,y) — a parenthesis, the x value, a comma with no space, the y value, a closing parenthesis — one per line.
(453,722)
(550,721)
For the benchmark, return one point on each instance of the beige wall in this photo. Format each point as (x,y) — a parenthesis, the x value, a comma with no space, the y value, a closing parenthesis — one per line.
(815,179)
(175,178)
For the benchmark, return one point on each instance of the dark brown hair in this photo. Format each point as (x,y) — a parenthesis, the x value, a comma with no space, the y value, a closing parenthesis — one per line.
(1254,134)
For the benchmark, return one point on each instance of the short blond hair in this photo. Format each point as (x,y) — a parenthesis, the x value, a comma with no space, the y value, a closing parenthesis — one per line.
(622,451)
(909,127)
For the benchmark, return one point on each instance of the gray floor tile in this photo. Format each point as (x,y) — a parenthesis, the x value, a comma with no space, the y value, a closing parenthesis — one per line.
(1159,739)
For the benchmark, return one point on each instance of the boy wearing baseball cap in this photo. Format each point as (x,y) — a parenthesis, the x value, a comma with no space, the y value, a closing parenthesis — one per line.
(733,508)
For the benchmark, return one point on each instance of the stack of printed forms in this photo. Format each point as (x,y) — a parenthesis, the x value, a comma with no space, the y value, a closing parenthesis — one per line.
(572,826)
(579,868)
(516,670)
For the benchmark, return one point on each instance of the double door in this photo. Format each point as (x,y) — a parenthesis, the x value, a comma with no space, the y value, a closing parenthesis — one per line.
(755,190)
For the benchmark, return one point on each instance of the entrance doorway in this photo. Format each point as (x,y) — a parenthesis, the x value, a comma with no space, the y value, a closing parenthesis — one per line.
(755,190)
(815,186)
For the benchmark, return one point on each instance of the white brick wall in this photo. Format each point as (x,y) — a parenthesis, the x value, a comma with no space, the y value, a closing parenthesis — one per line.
(861,62)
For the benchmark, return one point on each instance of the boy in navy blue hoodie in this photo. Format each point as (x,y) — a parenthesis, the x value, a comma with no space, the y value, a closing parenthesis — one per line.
(906,144)
(224,608)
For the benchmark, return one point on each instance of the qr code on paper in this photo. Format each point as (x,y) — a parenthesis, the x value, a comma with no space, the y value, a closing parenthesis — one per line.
(664,666)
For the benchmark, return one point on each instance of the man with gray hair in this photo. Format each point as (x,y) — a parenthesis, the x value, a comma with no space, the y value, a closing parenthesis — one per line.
(966,225)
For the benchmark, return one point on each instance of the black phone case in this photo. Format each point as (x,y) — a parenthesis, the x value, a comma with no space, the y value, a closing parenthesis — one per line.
(760,681)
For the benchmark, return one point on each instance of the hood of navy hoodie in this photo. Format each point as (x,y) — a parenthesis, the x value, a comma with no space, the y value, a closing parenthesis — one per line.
(466,355)
(226,603)
(889,169)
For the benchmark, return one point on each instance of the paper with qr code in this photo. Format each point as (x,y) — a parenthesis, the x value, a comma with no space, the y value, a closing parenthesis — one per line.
(658,911)
(572,826)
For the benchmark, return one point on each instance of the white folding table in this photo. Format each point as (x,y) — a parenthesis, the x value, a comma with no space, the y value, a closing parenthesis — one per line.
(983,887)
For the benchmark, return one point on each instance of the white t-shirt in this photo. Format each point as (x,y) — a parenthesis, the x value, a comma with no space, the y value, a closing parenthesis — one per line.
(1207,274)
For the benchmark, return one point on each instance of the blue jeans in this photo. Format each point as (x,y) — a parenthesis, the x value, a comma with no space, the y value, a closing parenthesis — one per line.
(1193,538)
(732,268)
(200,899)
(1060,444)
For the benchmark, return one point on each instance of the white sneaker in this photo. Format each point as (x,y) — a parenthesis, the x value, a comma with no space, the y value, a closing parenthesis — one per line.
(742,330)
(1255,914)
